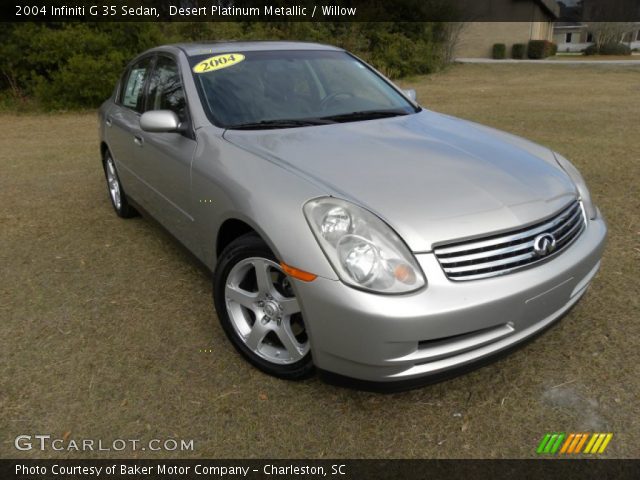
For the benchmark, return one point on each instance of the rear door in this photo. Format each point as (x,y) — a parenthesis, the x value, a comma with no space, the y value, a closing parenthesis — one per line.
(123,132)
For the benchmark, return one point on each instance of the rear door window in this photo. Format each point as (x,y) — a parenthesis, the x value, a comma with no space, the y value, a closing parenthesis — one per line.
(133,91)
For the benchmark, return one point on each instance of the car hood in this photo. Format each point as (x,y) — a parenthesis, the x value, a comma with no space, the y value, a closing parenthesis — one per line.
(431,177)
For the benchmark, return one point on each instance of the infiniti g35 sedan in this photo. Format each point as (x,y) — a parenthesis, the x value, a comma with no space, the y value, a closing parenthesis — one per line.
(349,230)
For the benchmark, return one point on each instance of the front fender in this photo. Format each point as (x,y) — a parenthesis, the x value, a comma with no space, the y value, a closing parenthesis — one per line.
(231,183)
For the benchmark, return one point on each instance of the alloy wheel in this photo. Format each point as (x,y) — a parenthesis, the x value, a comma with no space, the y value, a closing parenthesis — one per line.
(113,183)
(264,311)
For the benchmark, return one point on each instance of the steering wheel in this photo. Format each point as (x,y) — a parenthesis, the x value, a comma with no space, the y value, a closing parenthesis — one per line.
(326,101)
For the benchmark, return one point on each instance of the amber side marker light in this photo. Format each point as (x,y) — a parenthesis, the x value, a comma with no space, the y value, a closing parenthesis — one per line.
(296,273)
(404,273)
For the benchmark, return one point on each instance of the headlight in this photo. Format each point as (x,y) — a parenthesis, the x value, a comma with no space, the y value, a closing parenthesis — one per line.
(364,251)
(581,185)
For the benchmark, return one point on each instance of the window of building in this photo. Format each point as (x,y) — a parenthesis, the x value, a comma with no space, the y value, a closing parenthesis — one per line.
(567,37)
(589,37)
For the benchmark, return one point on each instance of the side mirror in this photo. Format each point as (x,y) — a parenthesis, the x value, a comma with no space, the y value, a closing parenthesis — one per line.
(159,121)
(411,93)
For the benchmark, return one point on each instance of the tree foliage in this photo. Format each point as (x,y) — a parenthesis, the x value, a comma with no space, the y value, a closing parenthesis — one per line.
(76,65)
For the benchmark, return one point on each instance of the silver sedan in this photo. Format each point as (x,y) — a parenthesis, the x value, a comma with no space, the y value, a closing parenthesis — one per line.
(349,230)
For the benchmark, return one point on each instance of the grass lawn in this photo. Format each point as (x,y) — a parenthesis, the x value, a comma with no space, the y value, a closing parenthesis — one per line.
(105,321)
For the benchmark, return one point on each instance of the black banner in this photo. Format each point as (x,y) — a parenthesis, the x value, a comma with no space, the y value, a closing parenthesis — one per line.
(542,469)
(321,10)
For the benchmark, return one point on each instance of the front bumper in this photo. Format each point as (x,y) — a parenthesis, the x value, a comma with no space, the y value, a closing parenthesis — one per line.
(447,325)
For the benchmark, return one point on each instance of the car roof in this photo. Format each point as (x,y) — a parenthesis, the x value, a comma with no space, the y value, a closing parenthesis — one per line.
(193,49)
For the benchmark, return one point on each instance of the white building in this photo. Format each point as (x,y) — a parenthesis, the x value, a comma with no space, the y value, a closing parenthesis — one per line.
(575,36)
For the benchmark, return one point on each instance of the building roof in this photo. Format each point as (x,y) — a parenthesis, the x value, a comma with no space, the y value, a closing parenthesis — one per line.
(551,6)
(569,26)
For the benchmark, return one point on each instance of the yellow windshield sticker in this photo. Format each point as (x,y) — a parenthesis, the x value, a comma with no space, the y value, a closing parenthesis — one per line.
(218,62)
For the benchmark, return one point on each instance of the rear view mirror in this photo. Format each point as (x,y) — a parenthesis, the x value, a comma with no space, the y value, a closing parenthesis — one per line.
(411,93)
(160,121)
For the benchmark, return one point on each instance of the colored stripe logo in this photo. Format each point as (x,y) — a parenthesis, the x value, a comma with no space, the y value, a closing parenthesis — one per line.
(573,443)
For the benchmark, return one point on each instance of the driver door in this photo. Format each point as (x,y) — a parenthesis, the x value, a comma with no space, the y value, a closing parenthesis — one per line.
(166,157)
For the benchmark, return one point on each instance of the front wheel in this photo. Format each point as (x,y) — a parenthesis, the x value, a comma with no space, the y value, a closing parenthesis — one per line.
(258,310)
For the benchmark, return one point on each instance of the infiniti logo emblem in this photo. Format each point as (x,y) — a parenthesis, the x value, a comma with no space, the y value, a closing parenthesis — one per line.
(544,244)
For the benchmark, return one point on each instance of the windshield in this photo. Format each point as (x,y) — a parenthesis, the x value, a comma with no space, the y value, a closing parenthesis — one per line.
(277,89)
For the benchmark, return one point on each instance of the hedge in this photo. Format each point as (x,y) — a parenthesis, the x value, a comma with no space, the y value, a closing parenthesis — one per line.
(537,49)
(608,49)
(518,50)
(499,51)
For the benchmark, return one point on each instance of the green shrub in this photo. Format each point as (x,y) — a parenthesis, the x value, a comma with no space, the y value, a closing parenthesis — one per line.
(537,49)
(76,65)
(399,55)
(499,51)
(518,50)
(591,50)
(608,49)
(615,49)
(72,65)
(83,81)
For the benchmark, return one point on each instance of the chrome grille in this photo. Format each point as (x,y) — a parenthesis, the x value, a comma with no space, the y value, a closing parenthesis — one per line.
(503,253)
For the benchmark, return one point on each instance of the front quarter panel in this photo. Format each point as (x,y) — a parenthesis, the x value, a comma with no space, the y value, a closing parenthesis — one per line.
(231,183)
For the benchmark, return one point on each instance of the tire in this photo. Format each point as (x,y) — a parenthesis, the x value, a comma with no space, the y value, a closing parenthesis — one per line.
(117,196)
(258,310)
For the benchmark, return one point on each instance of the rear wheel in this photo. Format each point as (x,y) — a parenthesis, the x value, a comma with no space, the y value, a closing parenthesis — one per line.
(258,310)
(116,192)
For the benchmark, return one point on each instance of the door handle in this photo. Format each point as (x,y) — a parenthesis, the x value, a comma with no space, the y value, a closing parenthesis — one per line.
(138,140)
(108,122)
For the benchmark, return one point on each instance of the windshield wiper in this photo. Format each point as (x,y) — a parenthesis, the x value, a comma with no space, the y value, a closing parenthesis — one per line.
(282,123)
(366,115)
(305,122)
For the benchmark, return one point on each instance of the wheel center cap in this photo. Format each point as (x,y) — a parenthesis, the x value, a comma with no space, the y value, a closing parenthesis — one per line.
(271,309)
